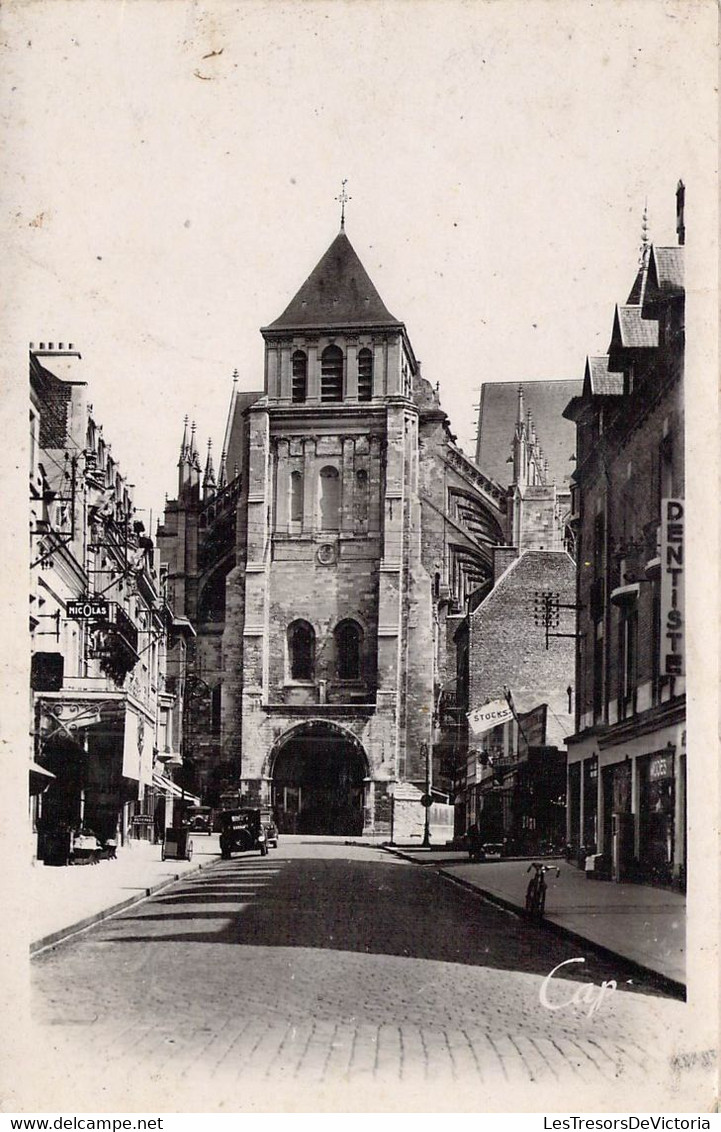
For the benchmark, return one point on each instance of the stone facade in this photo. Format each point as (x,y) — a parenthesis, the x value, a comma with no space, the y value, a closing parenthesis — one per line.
(360,533)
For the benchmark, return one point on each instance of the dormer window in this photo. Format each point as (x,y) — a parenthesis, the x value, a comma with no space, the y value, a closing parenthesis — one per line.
(365,375)
(299,386)
(331,374)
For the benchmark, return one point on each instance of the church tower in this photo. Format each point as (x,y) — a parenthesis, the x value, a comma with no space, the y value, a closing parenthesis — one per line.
(328,640)
(537,509)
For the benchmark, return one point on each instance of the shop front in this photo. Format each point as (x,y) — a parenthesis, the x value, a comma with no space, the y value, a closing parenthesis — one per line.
(643,801)
(589,824)
(657,808)
(582,803)
(100,751)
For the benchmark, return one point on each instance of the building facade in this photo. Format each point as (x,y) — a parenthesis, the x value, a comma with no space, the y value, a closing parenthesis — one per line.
(627,757)
(326,578)
(518,642)
(103,719)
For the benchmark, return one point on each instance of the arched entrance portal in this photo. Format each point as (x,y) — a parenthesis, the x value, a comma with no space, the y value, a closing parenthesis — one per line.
(318,778)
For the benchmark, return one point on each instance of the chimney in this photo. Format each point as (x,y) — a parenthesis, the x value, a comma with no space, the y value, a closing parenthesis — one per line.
(503,556)
(680,226)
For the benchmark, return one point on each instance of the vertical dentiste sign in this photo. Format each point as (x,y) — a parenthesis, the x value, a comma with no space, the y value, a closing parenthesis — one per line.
(672,598)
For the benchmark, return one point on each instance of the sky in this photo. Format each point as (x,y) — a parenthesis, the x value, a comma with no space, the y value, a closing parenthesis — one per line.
(173,169)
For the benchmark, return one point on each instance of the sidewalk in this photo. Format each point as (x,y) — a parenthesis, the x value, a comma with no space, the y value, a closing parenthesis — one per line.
(64,900)
(638,923)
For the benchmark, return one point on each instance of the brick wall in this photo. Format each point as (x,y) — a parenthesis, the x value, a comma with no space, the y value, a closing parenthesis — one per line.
(507,648)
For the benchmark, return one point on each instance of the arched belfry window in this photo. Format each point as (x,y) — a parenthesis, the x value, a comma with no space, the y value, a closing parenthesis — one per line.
(365,375)
(296,497)
(299,388)
(348,641)
(331,374)
(329,499)
(301,650)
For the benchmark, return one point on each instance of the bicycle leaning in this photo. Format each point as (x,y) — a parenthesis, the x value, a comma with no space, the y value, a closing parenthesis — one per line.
(537,888)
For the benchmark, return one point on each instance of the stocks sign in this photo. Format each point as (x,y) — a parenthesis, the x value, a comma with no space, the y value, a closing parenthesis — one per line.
(673,625)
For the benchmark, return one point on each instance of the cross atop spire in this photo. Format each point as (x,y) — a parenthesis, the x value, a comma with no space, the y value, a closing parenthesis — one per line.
(343,199)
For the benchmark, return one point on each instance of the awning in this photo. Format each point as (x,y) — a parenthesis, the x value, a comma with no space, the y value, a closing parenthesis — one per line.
(170,787)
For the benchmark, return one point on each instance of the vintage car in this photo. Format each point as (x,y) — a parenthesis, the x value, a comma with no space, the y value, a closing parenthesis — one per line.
(198,819)
(240,831)
(271,829)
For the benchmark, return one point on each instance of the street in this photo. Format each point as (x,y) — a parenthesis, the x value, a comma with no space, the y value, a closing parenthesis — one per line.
(261,980)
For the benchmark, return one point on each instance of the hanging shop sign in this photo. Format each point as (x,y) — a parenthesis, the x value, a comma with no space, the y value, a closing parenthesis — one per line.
(490,715)
(672,589)
(88,609)
(661,766)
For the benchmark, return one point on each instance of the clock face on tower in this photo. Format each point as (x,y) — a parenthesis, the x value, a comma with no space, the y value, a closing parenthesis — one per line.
(326,554)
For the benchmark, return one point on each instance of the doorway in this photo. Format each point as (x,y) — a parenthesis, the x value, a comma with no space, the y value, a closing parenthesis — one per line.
(318,782)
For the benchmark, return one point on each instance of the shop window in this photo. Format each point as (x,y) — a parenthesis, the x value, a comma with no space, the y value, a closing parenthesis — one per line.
(590,804)
(365,375)
(331,374)
(348,638)
(329,499)
(299,388)
(296,498)
(301,650)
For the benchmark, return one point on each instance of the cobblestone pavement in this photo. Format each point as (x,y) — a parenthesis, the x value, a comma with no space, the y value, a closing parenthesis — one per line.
(278,981)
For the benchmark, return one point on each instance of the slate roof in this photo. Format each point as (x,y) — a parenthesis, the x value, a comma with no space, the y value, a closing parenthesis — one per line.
(235,429)
(602,382)
(338,292)
(665,276)
(53,396)
(497,422)
(631,331)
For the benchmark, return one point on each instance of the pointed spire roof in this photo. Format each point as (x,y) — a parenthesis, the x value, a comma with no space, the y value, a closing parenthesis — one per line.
(222,472)
(184,441)
(521,413)
(192,450)
(338,292)
(209,470)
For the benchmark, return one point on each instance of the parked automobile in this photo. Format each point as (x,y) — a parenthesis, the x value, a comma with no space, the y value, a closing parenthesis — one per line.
(199,819)
(242,830)
(271,829)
